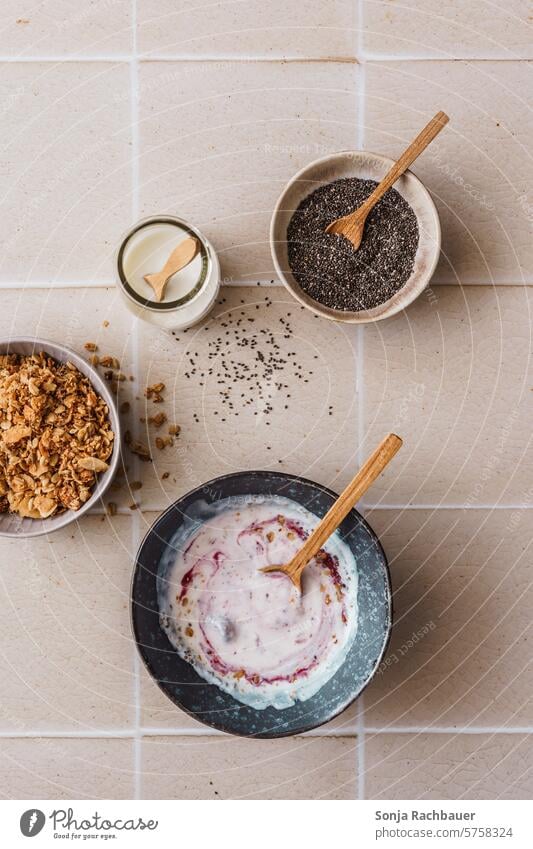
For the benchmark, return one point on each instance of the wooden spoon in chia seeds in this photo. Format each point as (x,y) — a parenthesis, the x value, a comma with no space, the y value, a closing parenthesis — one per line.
(181,256)
(352,226)
(363,480)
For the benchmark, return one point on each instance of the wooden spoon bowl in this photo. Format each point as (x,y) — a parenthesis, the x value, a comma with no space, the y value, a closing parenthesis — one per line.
(181,256)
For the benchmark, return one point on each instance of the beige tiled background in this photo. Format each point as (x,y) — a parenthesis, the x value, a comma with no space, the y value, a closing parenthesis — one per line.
(117,110)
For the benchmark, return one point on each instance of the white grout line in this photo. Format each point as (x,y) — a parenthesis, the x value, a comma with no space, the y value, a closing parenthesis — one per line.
(194,731)
(231,284)
(137,743)
(282,58)
(135,148)
(348,730)
(137,738)
(361,109)
(452,729)
(77,735)
(360,389)
(360,395)
(179,57)
(187,731)
(363,507)
(393,57)
(359,48)
(80,58)
(250,58)
(269,281)
(56,284)
(378,506)
(361,745)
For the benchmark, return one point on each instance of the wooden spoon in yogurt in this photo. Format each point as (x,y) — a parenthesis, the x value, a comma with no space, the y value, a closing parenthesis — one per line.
(352,226)
(181,256)
(363,480)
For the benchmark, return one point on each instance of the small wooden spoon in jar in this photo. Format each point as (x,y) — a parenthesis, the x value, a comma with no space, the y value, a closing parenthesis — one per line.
(181,256)
(352,226)
(364,478)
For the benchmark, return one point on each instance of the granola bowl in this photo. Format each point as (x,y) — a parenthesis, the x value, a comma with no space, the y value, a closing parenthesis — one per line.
(13,524)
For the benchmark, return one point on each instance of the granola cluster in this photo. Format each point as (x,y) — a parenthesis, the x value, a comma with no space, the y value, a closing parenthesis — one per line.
(55,436)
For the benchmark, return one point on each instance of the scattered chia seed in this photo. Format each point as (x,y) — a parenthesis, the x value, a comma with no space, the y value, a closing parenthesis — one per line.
(327,266)
(248,366)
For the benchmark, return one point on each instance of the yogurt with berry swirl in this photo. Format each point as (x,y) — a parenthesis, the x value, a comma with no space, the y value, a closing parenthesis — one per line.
(250,633)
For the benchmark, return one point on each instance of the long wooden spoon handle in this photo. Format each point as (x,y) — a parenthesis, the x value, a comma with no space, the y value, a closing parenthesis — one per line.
(425,137)
(364,478)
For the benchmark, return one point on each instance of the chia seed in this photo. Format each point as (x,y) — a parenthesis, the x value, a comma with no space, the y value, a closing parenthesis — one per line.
(327,266)
(248,366)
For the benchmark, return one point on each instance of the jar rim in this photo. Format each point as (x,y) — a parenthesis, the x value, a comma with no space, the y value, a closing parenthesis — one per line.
(165,306)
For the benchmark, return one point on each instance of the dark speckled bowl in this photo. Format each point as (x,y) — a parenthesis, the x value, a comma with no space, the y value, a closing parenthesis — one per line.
(206,702)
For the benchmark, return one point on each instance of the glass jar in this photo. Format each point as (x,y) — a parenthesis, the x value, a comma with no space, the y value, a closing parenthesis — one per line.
(189,294)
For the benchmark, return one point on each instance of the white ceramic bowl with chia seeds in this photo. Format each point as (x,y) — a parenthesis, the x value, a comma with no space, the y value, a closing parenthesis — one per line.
(13,525)
(363,165)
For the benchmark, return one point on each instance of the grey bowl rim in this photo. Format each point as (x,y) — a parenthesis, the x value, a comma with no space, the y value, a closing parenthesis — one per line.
(339,315)
(389,592)
(99,385)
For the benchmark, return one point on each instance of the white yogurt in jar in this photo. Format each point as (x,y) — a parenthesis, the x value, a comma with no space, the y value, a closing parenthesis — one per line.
(253,634)
(189,294)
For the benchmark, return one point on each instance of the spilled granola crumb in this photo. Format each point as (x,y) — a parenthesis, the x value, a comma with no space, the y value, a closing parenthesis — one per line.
(109,362)
(140,450)
(158,420)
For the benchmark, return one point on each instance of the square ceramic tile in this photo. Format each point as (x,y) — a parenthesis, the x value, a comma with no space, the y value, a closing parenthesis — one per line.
(219,140)
(477,169)
(67,651)
(231,768)
(60,768)
(451,30)
(58,28)
(453,375)
(262,384)
(158,712)
(65,170)
(462,620)
(70,317)
(310,29)
(445,766)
